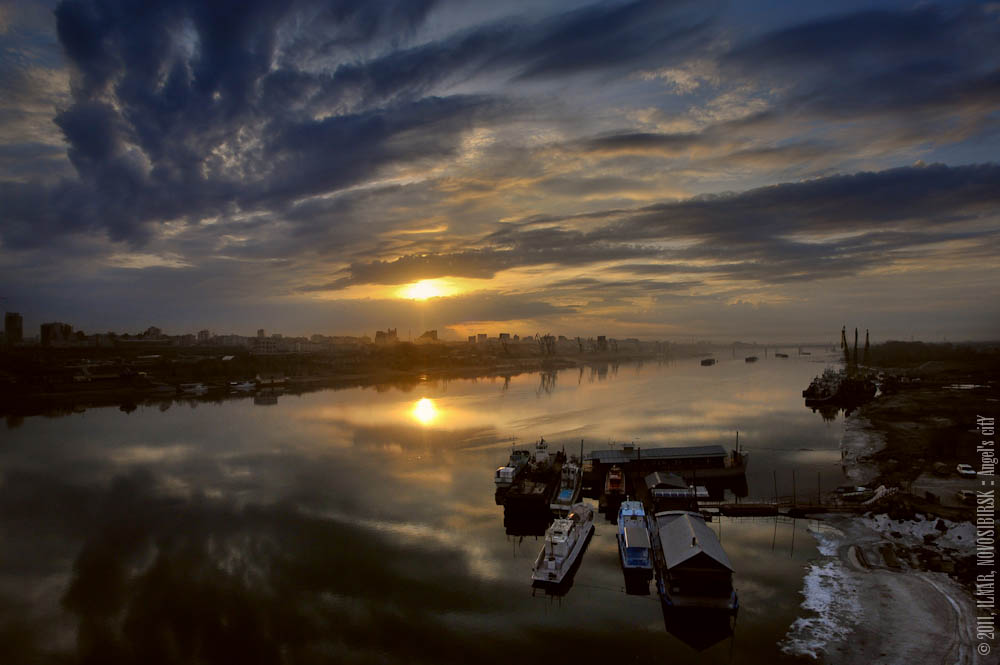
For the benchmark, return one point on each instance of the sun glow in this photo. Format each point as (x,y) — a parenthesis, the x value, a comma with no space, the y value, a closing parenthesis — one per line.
(422,290)
(425,411)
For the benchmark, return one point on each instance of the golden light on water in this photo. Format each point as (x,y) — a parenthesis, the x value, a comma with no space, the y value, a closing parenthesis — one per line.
(425,411)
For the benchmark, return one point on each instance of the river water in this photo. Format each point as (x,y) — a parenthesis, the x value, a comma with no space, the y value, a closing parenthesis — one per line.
(359,525)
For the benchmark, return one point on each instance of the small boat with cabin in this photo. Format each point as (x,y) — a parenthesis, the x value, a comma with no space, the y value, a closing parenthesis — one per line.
(534,488)
(614,484)
(564,542)
(634,545)
(507,474)
(570,484)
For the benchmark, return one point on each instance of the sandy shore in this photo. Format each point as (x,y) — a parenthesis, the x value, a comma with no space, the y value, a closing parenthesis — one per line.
(865,600)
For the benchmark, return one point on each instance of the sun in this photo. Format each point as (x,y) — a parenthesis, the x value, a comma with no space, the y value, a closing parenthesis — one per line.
(421,290)
(425,411)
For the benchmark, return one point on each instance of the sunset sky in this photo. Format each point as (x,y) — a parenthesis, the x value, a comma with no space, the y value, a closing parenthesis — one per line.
(664,170)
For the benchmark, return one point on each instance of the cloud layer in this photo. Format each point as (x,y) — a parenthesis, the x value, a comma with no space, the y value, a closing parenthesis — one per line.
(326,152)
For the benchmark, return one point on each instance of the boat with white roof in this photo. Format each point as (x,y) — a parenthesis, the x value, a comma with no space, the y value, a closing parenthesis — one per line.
(564,541)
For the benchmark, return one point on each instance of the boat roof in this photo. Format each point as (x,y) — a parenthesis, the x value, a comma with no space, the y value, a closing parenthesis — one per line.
(684,535)
(627,455)
(636,536)
(665,480)
(629,508)
(559,530)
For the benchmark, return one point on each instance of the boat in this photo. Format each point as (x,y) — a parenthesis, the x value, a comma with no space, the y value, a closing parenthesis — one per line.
(837,387)
(780,355)
(570,484)
(707,362)
(614,484)
(634,545)
(693,571)
(194,388)
(564,541)
(243,386)
(507,474)
(824,387)
(533,488)
(750,359)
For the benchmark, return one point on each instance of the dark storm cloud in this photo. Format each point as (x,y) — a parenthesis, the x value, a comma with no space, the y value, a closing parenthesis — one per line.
(920,196)
(186,110)
(880,61)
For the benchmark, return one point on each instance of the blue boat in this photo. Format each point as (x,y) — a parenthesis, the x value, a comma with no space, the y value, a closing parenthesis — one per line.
(633,540)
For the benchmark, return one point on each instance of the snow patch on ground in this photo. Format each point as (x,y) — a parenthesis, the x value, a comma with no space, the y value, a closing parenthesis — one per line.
(830,599)
(959,536)
(830,593)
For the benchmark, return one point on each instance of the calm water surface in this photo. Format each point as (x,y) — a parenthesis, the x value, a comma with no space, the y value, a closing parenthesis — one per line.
(360,526)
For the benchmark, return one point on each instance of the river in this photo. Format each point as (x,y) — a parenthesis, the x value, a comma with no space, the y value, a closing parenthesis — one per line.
(359,525)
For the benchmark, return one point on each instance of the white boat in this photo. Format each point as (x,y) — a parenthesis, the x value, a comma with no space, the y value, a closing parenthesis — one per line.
(564,541)
(243,386)
(194,388)
(634,545)
(570,484)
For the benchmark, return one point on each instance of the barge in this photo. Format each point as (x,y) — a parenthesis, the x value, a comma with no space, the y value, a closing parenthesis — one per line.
(692,569)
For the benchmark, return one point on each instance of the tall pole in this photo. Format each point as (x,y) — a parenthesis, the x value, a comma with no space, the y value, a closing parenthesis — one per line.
(793,487)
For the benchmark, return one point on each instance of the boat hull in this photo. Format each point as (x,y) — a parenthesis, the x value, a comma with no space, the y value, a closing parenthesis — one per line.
(545,577)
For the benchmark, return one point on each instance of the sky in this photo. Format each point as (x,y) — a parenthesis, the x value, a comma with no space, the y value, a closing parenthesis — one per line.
(661,170)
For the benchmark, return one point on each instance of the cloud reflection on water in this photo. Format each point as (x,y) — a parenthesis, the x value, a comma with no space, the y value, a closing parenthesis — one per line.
(334,526)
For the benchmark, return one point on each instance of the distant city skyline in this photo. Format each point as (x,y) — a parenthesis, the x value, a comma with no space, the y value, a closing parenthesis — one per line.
(767,171)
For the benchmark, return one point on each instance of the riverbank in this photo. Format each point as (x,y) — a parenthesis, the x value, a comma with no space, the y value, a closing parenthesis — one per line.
(868,598)
(896,585)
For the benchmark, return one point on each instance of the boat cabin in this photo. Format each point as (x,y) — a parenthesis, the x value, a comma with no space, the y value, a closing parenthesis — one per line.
(695,568)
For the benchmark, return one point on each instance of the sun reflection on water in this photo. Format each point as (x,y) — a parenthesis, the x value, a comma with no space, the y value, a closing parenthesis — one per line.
(425,411)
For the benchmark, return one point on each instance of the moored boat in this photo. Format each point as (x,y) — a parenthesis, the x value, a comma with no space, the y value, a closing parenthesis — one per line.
(507,474)
(706,362)
(693,569)
(750,359)
(614,484)
(534,488)
(564,541)
(634,545)
(570,484)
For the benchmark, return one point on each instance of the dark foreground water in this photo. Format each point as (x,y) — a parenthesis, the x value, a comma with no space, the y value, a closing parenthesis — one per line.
(359,526)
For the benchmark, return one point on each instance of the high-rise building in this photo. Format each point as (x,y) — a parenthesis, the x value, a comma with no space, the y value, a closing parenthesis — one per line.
(13,328)
(56,334)
(260,333)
